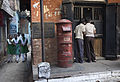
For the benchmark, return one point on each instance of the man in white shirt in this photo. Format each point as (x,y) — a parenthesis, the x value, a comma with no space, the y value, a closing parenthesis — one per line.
(90,30)
(79,32)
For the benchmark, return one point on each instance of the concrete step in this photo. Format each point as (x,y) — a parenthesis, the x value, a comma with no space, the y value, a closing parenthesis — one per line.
(107,76)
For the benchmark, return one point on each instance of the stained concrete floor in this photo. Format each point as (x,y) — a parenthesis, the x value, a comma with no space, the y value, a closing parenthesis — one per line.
(101,65)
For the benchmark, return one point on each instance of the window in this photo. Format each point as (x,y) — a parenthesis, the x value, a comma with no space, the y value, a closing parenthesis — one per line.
(87,13)
(94,13)
(98,14)
(77,13)
(64,11)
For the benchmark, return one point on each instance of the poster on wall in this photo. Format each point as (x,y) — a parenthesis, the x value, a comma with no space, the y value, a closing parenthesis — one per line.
(13,29)
(14,24)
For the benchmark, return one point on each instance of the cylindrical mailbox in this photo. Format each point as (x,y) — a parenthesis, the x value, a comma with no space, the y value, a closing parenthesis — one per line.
(64,41)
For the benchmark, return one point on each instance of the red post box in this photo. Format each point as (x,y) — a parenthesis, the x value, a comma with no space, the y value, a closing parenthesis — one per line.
(64,41)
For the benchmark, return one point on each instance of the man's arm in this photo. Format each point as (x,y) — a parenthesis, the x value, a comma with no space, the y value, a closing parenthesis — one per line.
(94,31)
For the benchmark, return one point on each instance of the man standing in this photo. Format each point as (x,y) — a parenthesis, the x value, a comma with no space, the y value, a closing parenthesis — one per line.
(90,30)
(79,31)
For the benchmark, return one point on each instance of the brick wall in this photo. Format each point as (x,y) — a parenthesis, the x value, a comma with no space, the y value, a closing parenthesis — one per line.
(51,14)
(36,46)
(113,1)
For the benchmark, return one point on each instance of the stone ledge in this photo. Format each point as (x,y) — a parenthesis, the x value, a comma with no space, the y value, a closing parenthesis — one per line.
(89,77)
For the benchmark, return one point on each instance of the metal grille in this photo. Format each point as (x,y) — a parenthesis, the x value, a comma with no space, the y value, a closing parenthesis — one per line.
(64,12)
(77,13)
(95,13)
(98,13)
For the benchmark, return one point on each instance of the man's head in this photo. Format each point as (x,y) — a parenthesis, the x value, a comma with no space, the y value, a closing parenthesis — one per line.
(88,20)
(83,21)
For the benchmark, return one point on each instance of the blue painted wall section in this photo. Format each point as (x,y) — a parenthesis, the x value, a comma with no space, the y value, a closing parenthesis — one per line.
(14,24)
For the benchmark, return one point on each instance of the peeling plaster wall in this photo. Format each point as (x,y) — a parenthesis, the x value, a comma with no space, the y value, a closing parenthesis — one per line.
(52,10)
(52,13)
(35,10)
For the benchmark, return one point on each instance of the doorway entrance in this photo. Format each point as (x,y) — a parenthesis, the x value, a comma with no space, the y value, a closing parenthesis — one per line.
(96,15)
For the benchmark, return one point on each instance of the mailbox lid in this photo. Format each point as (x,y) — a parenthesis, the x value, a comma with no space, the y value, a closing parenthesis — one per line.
(64,21)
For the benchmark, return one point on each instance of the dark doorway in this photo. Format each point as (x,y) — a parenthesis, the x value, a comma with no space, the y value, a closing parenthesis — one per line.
(25,4)
(95,13)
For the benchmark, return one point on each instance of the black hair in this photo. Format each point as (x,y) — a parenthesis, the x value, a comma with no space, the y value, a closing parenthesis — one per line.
(92,22)
(18,33)
(88,20)
(22,35)
(82,20)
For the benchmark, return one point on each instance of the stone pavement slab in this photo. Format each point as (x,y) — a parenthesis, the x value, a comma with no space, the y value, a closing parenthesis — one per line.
(104,67)
(77,68)
(16,72)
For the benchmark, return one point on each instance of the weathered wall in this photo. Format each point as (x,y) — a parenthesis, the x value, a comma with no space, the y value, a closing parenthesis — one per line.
(24,25)
(2,43)
(52,14)
(113,1)
(118,30)
(3,27)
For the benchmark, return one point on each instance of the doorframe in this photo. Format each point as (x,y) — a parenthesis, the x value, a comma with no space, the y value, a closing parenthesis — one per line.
(93,7)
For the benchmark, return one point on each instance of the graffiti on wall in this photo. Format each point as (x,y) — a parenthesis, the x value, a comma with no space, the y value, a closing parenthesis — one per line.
(35,8)
(51,11)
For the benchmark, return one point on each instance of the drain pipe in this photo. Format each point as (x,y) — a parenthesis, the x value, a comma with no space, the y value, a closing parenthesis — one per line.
(42,29)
